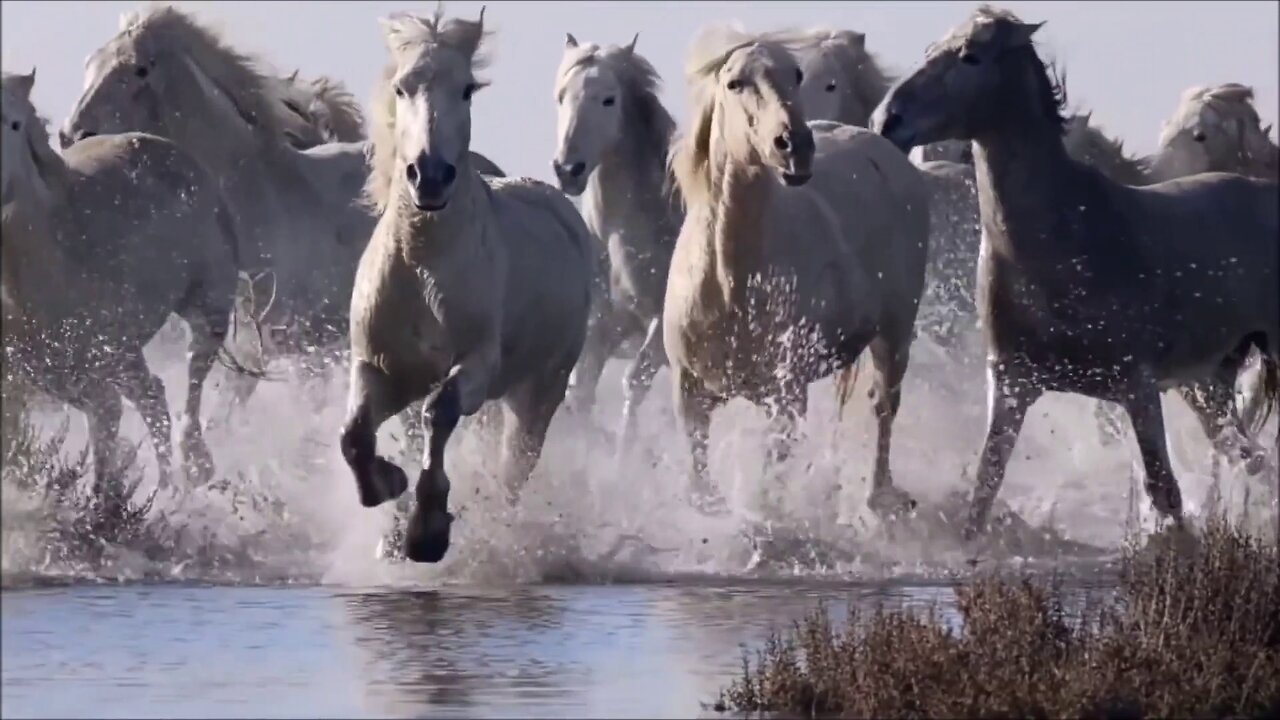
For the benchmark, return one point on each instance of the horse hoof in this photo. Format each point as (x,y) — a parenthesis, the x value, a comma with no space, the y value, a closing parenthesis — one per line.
(891,502)
(426,539)
(386,482)
(709,503)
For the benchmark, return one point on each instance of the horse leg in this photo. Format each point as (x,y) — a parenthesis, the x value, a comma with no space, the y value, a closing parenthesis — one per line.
(371,400)
(461,394)
(890,360)
(427,535)
(694,405)
(208,332)
(1213,401)
(604,335)
(102,409)
(1143,406)
(638,381)
(531,408)
(145,392)
(1008,400)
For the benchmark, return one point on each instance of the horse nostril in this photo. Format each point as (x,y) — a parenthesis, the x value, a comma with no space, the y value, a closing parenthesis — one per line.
(577,168)
(782,143)
(448,173)
(411,172)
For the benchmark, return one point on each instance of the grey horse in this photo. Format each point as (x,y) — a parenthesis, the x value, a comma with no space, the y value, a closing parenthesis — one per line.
(1087,285)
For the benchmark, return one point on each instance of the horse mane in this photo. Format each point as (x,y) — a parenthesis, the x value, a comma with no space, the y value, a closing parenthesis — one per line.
(1087,143)
(869,82)
(325,106)
(234,73)
(407,32)
(689,157)
(1234,101)
(989,22)
(340,108)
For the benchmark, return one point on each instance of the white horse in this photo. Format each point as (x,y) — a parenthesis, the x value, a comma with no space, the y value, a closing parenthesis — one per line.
(613,137)
(471,289)
(803,244)
(100,246)
(300,222)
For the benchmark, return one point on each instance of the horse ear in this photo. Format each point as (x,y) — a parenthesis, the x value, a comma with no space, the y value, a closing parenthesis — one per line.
(25,83)
(395,27)
(1022,33)
(570,41)
(631,46)
(857,40)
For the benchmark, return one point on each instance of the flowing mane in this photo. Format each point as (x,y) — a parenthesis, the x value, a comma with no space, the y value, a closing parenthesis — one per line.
(1089,144)
(413,33)
(325,106)
(238,75)
(868,80)
(1050,83)
(689,157)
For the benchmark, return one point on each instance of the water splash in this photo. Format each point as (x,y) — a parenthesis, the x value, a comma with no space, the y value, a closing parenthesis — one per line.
(285,508)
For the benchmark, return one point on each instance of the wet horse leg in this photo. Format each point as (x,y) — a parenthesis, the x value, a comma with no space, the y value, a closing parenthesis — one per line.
(532,408)
(694,405)
(102,408)
(890,360)
(462,393)
(145,391)
(1009,396)
(638,381)
(372,399)
(1143,406)
(208,332)
(1213,401)
(604,335)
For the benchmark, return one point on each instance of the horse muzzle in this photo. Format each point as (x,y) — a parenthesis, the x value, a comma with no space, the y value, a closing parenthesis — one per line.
(571,176)
(431,181)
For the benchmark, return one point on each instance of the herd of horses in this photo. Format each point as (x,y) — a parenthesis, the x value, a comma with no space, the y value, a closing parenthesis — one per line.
(813,209)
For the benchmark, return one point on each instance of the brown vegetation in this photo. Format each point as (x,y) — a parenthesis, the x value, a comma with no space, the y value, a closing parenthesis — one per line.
(1186,634)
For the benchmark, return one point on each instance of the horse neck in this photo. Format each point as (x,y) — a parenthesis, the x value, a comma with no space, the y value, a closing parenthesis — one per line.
(434,234)
(631,180)
(741,190)
(1024,178)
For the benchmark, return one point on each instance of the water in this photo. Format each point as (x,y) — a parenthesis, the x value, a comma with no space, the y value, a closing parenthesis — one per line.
(542,651)
(603,594)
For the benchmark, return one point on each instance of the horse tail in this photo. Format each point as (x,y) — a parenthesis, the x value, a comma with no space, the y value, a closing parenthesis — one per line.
(1267,401)
(845,383)
(227,227)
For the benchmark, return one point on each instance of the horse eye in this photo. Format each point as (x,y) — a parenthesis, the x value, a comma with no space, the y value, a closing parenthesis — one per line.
(1198,136)
(969,58)
(799,76)
(141,71)
(831,86)
(399,91)
(734,85)
(15,125)
(469,90)
(610,101)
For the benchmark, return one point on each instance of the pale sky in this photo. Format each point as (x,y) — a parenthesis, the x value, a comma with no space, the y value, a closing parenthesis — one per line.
(1126,61)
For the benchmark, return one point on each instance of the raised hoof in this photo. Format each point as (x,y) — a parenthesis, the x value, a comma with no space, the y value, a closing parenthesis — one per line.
(386,482)
(709,503)
(891,502)
(426,538)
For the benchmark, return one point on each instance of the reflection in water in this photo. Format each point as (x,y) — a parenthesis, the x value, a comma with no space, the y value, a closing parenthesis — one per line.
(530,651)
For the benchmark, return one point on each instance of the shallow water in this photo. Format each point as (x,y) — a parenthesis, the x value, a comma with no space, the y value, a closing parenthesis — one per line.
(662,598)
(539,651)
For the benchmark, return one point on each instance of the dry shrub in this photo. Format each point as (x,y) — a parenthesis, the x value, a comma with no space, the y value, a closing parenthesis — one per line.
(1185,634)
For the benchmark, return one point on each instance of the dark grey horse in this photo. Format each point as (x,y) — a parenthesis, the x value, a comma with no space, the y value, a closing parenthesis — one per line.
(1086,285)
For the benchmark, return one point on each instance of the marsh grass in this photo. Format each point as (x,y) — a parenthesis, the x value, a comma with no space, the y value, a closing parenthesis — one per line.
(1187,633)
(79,527)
